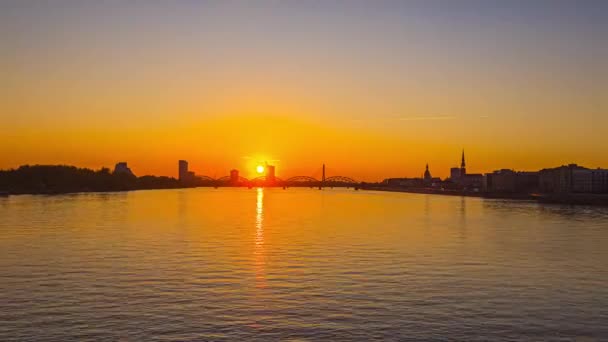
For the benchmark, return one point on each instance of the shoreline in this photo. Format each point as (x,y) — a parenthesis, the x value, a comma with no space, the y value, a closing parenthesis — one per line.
(568,199)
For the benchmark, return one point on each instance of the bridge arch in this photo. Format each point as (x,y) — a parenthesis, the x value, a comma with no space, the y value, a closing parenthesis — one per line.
(303,179)
(227,179)
(263,178)
(206,178)
(340,179)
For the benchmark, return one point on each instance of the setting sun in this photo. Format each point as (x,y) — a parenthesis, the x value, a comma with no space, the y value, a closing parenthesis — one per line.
(260,169)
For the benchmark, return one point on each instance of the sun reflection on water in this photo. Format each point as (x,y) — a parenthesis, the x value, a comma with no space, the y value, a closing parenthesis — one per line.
(259,252)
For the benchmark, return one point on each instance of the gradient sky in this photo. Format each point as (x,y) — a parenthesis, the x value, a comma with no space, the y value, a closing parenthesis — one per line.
(373,89)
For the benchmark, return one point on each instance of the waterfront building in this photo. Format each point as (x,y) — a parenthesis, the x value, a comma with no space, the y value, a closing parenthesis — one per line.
(509,181)
(182,170)
(270,173)
(428,179)
(454,174)
(404,182)
(590,181)
(122,168)
(559,179)
(573,178)
(463,180)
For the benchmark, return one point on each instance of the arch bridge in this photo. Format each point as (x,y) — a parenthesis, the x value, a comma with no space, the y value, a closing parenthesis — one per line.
(333,181)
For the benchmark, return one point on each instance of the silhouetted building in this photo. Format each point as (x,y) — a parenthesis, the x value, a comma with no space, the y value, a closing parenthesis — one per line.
(509,181)
(428,179)
(472,181)
(404,182)
(122,167)
(183,170)
(234,176)
(573,178)
(559,179)
(270,175)
(590,181)
(463,180)
(455,174)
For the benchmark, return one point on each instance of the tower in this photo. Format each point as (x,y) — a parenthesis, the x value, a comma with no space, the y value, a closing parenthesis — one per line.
(270,173)
(323,179)
(463,166)
(427,175)
(234,176)
(182,170)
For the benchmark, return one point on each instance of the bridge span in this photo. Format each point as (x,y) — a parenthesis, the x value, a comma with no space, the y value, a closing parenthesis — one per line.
(294,181)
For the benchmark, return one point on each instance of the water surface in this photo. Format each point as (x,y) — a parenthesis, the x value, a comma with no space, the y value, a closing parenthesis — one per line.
(299,264)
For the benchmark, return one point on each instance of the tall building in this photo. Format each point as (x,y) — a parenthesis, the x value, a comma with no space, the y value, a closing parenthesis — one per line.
(270,176)
(122,167)
(183,170)
(234,176)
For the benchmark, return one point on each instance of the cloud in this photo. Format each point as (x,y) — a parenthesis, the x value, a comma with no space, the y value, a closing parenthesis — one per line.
(422,118)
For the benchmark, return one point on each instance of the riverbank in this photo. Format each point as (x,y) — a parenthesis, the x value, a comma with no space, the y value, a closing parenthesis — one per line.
(570,199)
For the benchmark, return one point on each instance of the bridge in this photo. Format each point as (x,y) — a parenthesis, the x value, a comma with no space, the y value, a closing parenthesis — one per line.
(295,181)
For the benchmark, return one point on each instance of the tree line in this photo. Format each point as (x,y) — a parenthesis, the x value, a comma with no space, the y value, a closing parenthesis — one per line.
(55,179)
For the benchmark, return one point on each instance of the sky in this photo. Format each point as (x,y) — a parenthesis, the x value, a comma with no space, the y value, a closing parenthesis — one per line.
(373,89)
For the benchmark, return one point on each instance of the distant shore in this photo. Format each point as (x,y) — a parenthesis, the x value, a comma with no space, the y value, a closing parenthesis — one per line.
(570,198)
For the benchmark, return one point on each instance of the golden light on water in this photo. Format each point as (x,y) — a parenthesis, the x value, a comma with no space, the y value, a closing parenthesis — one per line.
(259,253)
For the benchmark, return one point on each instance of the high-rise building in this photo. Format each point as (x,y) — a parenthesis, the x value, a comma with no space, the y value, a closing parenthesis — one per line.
(234,176)
(183,170)
(270,176)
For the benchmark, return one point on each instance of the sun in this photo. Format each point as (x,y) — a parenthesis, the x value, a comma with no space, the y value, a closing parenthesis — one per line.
(260,169)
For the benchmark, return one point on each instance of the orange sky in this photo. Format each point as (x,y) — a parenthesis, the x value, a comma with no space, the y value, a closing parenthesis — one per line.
(371,92)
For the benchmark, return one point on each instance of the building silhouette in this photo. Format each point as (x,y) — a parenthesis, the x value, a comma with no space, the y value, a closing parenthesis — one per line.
(573,178)
(464,180)
(182,170)
(455,174)
(270,173)
(122,168)
(234,176)
(427,175)
(509,181)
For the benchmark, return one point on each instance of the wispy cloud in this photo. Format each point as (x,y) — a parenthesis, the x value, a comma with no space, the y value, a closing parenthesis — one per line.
(422,118)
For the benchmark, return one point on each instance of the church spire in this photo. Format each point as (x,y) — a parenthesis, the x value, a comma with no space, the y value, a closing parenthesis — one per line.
(463,166)
(462,163)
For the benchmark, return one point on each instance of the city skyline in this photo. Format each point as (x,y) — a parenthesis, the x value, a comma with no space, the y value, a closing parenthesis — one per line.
(388,86)
(258,167)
